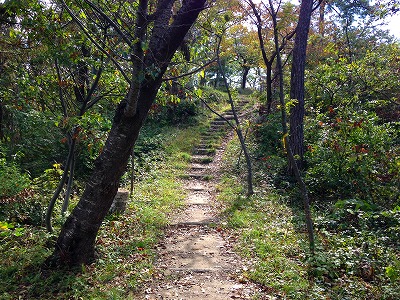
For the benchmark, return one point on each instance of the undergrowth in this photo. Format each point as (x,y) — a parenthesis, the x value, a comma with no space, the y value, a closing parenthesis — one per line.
(125,244)
(357,253)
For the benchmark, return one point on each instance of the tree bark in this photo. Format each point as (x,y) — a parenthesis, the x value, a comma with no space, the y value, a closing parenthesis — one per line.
(269,85)
(296,138)
(291,159)
(76,242)
(268,61)
(246,70)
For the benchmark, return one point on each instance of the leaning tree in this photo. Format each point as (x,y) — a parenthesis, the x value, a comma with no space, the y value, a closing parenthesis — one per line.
(158,32)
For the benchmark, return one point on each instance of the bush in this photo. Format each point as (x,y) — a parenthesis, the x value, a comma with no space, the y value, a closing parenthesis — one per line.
(269,136)
(174,112)
(13,180)
(28,206)
(352,155)
(245,91)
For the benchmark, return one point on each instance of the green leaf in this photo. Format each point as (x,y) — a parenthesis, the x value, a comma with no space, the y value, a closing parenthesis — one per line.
(82,15)
(198,92)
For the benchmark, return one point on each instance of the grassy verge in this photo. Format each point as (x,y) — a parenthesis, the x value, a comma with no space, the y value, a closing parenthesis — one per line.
(125,243)
(266,234)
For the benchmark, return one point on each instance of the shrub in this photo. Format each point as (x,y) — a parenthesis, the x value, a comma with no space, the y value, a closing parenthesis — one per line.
(269,135)
(13,180)
(351,155)
(174,112)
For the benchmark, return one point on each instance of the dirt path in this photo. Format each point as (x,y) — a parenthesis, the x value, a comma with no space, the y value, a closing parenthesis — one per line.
(196,259)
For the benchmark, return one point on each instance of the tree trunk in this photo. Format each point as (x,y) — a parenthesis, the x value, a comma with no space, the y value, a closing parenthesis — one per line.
(246,70)
(75,244)
(321,20)
(269,86)
(238,129)
(296,138)
(291,159)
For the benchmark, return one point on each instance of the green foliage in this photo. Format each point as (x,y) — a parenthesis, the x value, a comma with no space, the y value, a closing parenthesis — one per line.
(365,83)
(28,206)
(7,229)
(35,139)
(174,111)
(245,91)
(352,155)
(13,181)
(269,136)
(359,242)
(213,95)
(266,232)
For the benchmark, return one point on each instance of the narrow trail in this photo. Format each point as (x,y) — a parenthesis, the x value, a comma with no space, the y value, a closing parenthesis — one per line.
(196,259)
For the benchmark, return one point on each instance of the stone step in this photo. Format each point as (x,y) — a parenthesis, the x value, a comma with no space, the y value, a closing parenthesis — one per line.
(199,176)
(205,145)
(218,122)
(196,187)
(229,118)
(198,198)
(216,128)
(200,168)
(204,151)
(201,159)
(194,223)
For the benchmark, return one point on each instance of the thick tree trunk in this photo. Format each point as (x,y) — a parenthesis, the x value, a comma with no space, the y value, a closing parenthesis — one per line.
(75,244)
(296,138)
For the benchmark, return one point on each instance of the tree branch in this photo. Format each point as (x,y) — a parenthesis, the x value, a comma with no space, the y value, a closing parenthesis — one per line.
(191,72)
(86,32)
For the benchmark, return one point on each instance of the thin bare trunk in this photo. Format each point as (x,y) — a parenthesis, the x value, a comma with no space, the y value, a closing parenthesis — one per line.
(268,61)
(68,190)
(63,181)
(132,172)
(238,129)
(321,20)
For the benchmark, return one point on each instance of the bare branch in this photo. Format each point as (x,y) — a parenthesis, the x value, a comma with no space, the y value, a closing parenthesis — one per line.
(86,32)
(111,22)
(191,72)
(60,93)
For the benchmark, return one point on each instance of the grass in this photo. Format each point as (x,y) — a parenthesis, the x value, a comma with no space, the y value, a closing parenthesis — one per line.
(267,237)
